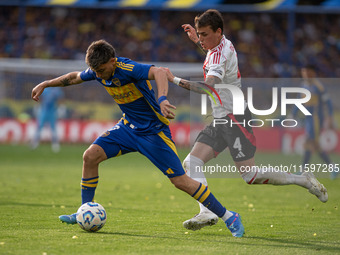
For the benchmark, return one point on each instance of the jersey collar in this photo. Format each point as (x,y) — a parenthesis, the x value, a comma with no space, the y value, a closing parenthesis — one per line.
(220,44)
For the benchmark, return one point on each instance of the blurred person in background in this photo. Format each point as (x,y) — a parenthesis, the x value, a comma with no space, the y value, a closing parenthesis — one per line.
(48,114)
(321,108)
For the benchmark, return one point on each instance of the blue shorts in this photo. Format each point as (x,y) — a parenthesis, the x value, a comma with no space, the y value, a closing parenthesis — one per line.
(158,148)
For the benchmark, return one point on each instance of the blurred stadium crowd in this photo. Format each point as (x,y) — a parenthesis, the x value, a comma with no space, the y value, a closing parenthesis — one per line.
(268,44)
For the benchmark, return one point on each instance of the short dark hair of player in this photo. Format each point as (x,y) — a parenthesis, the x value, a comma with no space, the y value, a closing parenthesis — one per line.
(98,53)
(212,18)
(310,67)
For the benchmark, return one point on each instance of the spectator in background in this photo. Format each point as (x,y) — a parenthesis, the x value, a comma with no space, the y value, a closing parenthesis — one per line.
(48,113)
(267,45)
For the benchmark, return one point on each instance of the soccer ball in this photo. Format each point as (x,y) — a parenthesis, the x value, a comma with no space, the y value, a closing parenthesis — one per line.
(91,216)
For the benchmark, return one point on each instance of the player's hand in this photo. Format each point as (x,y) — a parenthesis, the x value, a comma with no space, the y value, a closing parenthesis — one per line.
(166,109)
(191,32)
(37,91)
(169,74)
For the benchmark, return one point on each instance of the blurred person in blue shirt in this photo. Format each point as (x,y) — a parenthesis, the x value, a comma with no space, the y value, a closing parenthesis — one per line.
(48,114)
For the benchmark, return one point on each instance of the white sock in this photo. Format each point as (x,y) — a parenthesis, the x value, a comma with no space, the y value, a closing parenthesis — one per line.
(272,176)
(226,216)
(192,166)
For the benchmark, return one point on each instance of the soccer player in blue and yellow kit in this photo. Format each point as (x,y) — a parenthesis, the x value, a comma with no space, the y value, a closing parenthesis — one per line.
(320,118)
(143,128)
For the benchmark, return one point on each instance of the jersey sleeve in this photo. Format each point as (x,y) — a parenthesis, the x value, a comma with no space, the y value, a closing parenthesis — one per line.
(217,67)
(88,75)
(139,71)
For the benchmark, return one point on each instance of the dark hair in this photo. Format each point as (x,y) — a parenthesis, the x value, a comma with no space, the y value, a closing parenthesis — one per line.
(98,53)
(212,18)
(310,67)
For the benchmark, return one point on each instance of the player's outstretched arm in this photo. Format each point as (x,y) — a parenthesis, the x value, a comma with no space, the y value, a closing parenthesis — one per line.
(191,32)
(61,81)
(196,86)
(159,75)
(199,87)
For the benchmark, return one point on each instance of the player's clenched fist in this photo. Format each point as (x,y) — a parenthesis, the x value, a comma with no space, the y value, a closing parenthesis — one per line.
(37,91)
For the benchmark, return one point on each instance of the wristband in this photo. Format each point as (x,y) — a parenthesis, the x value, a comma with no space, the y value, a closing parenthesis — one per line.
(176,81)
(161,99)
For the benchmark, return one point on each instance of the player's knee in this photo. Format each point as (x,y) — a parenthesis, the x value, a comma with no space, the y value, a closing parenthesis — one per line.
(88,156)
(309,145)
(92,156)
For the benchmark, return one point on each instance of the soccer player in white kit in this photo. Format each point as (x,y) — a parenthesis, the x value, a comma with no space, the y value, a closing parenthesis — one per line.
(221,67)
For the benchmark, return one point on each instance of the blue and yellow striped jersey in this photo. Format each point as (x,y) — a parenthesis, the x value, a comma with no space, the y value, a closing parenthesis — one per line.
(319,99)
(130,88)
(316,105)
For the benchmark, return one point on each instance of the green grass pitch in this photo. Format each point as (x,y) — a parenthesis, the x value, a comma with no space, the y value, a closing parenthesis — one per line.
(145,212)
